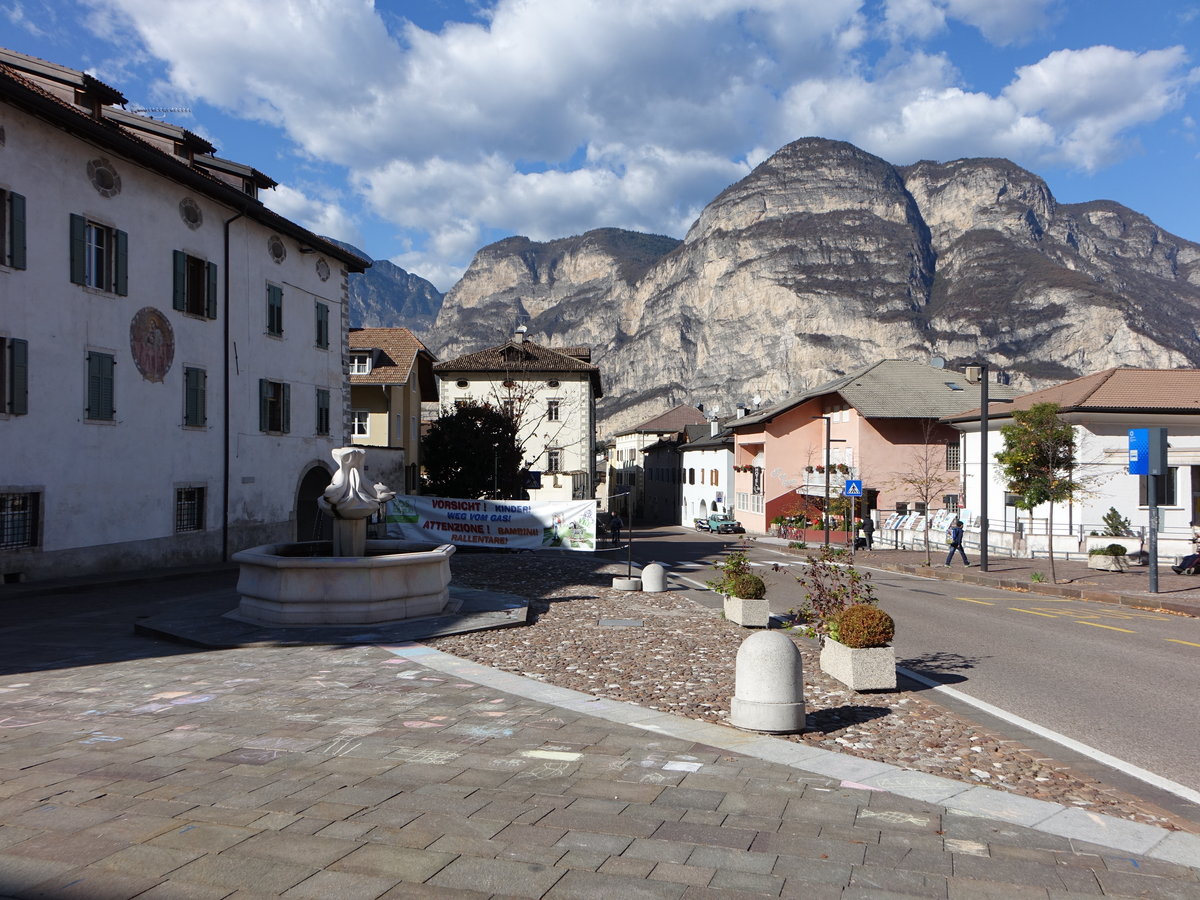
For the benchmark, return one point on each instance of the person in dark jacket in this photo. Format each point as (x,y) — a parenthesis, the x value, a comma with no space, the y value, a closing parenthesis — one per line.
(868,530)
(615,524)
(955,535)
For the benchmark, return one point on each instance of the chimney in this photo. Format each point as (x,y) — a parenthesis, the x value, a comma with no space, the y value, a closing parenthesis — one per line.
(973,374)
(741,410)
(519,334)
(713,427)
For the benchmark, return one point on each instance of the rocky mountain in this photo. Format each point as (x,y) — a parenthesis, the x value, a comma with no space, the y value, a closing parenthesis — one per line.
(386,296)
(825,258)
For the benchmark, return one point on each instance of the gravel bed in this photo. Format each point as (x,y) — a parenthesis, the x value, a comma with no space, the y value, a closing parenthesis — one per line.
(680,659)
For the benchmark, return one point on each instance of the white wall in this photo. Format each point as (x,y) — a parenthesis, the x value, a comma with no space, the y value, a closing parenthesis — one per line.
(699,498)
(109,486)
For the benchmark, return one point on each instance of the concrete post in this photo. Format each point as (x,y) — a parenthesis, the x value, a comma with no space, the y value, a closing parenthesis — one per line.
(654,578)
(768,685)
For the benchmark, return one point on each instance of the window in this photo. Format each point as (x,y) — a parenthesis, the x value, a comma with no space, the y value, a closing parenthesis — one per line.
(322,411)
(552,410)
(274,406)
(509,408)
(274,310)
(553,460)
(360,423)
(360,363)
(19,520)
(322,310)
(100,368)
(14,376)
(189,509)
(919,509)
(195,285)
(99,256)
(950,502)
(1166,488)
(902,508)
(712,478)
(195,397)
(952,457)
(12,229)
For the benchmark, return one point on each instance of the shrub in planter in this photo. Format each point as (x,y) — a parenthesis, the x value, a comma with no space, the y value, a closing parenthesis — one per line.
(746,585)
(863,625)
(1109,550)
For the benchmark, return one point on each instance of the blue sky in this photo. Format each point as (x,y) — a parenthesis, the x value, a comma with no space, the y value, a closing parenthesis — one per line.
(421,131)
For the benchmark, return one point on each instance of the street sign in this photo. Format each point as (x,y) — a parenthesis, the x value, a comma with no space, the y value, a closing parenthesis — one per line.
(1147,451)
(852,488)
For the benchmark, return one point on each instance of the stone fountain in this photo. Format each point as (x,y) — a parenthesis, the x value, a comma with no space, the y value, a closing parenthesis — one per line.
(351,580)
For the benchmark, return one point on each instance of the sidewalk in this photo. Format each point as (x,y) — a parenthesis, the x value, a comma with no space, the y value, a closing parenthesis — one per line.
(134,768)
(1176,593)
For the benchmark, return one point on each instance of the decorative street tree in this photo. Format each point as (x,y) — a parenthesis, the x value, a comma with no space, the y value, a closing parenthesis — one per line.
(924,477)
(472,452)
(1038,462)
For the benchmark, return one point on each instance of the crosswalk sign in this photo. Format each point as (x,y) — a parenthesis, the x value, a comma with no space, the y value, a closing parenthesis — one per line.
(852,488)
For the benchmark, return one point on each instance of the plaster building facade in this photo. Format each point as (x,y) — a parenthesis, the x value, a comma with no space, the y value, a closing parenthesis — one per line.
(879,424)
(173,351)
(705,472)
(1101,407)
(552,392)
(643,477)
(391,375)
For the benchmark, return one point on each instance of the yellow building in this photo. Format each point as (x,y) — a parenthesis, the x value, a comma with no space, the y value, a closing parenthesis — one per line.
(391,374)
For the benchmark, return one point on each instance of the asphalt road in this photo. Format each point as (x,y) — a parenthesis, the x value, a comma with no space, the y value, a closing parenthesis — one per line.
(1125,682)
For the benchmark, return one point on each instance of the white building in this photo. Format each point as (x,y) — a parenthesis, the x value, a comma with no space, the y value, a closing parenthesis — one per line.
(552,392)
(173,351)
(643,481)
(1102,407)
(705,472)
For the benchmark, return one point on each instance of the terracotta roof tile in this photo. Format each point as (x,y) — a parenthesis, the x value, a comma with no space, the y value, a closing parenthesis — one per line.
(674,420)
(398,348)
(525,356)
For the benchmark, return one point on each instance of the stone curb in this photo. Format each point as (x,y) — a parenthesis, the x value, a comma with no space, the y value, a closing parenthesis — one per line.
(864,774)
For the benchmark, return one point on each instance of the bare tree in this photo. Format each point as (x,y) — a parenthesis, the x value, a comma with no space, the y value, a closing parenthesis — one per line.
(925,478)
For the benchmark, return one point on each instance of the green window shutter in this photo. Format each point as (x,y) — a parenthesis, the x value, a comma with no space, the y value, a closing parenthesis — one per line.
(16,236)
(322,411)
(179,268)
(121,263)
(195,384)
(100,386)
(264,404)
(210,291)
(274,309)
(18,375)
(286,408)
(78,249)
(322,325)
(202,395)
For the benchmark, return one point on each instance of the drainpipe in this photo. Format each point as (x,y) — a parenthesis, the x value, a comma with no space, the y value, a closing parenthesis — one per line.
(225,411)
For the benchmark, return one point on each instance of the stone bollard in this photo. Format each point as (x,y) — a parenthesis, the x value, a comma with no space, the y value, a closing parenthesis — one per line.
(768,685)
(654,578)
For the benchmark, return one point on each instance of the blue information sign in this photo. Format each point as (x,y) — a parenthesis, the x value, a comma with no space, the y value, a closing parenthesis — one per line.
(853,488)
(1139,451)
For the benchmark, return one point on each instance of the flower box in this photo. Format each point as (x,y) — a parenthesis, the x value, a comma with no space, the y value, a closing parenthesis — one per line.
(860,669)
(748,613)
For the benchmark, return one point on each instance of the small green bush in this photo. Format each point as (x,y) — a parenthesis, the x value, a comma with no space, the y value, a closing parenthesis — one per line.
(747,586)
(798,545)
(864,625)
(1110,550)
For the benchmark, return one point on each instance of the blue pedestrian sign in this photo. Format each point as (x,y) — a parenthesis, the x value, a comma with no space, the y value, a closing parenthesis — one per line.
(852,488)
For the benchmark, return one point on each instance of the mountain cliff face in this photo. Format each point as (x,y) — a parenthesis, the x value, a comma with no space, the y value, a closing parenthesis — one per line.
(386,296)
(826,258)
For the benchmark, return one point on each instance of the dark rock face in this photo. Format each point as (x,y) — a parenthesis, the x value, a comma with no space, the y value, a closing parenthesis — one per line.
(826,258)
(386,296)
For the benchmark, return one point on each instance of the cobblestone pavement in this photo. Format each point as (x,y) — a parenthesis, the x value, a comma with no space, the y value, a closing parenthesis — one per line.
(134,768)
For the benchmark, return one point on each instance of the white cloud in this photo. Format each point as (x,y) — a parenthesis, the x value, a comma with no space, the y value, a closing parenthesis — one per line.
(551,117)
(321,216)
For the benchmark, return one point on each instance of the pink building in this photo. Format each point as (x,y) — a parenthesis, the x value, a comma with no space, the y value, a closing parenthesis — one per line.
(882,429)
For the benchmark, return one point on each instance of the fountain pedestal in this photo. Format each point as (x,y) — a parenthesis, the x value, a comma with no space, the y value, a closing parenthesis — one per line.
(349,581)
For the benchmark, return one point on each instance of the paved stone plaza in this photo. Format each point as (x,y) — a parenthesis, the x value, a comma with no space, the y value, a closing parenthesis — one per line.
(131,767)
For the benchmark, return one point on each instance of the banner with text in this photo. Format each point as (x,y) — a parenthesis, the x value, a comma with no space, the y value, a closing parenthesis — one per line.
(497,524)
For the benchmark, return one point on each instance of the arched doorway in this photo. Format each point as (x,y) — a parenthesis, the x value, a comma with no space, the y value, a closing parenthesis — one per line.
(311,525)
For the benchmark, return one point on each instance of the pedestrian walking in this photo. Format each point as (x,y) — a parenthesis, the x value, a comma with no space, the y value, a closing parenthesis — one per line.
(868,530)
(614,529)
(954,537)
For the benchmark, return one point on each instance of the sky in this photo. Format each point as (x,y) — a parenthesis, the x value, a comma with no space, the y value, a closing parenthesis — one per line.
(422,131)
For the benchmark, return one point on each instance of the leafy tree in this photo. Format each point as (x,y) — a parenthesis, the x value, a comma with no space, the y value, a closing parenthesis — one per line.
(1038,462)
(472,452)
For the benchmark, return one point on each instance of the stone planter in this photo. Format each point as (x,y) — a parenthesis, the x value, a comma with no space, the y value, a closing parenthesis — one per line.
(860,669)
(748,613)
(1108,563)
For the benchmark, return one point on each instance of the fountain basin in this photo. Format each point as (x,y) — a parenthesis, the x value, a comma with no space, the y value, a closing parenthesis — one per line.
(294,584)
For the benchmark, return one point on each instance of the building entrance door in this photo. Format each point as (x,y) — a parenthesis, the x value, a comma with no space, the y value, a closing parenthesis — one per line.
(311,524)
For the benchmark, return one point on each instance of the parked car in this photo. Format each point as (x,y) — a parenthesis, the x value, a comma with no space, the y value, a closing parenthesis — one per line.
(700,524)
(723,523)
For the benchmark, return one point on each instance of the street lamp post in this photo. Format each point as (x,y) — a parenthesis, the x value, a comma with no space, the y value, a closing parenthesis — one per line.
(984,400)
(828,441)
